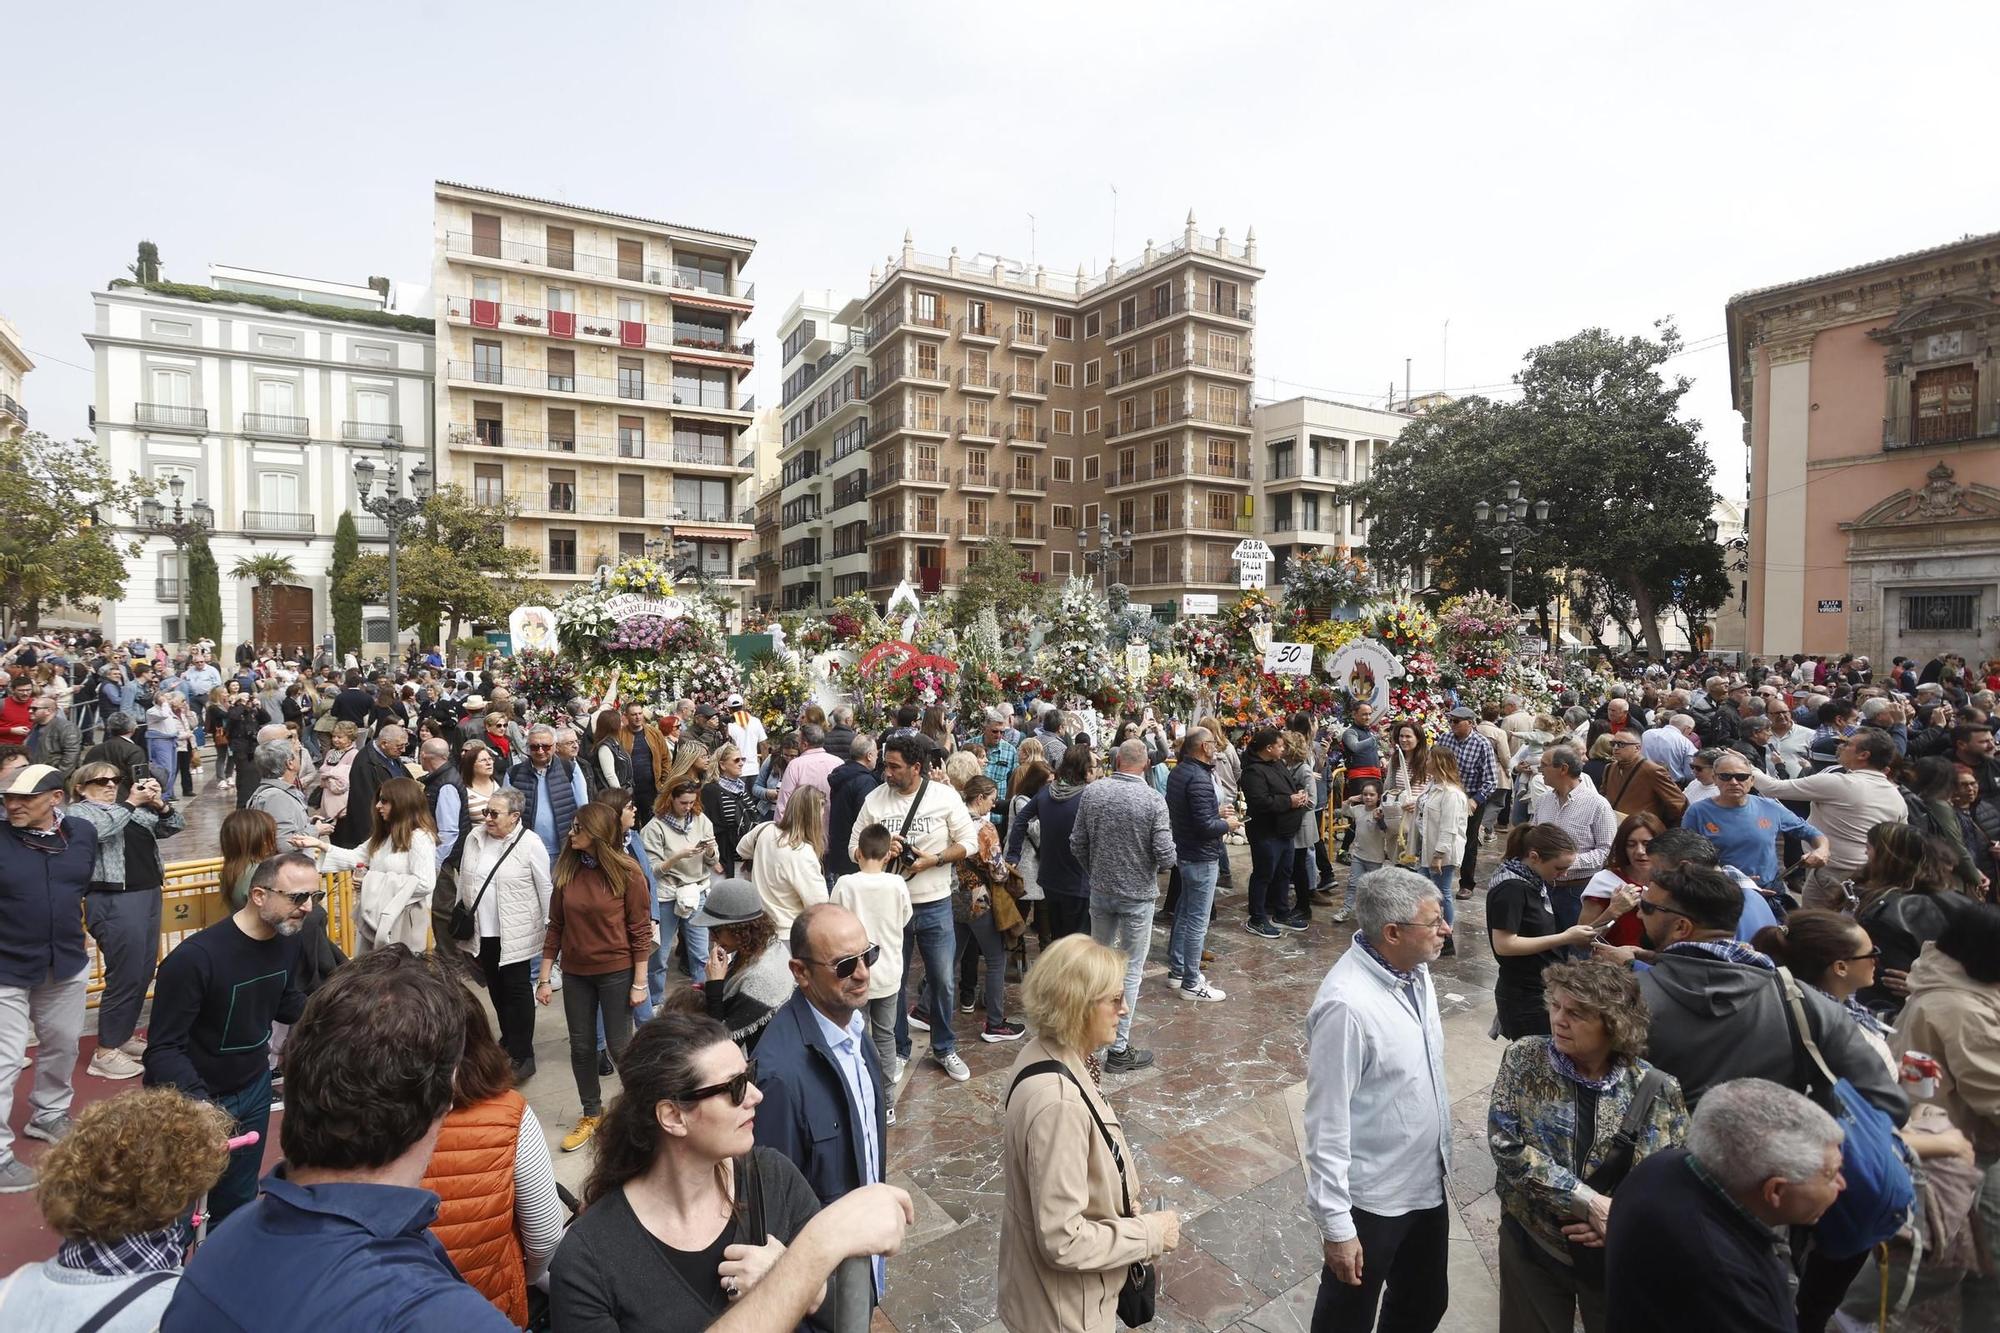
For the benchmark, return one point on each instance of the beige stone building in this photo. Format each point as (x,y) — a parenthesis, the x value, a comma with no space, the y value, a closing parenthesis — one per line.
(1003,400)
(591,370)
(14,364)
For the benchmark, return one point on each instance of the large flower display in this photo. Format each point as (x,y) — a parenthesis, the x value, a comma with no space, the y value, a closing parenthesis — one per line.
(663,646)
(1321,578)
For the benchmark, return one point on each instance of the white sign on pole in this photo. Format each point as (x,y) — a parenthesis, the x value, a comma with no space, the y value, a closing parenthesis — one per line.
(1250,548)
(1198,604)
(1289,659)
(1250,574)
(1534,647)
(1364,669)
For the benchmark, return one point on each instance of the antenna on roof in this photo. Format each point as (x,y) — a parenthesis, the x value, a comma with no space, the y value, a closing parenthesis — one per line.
(1031,240)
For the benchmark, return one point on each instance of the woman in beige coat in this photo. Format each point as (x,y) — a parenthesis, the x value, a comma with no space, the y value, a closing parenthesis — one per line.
(1066,1240)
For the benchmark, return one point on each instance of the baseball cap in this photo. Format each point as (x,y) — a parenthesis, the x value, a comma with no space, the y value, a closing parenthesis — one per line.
(730,902)
(34,780)
(735,701)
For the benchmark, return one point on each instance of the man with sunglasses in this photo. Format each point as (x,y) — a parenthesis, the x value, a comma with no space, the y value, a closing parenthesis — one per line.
(824,1105)
(1745,827)
(215,999)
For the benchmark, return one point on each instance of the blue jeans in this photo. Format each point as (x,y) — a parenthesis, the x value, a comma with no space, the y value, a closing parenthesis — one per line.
(1190,928)
(1443,877)
(1126,924)
(1270,876)
(672,924)
(930,930)
(250,1108)
(1356,871)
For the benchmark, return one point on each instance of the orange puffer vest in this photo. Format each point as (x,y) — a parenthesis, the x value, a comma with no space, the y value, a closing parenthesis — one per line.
(472,1171)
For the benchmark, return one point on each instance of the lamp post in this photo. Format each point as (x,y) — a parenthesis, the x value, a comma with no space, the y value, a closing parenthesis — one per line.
(1110,550)
(1737,559)
(395,510)
(181,528)
(1508,522)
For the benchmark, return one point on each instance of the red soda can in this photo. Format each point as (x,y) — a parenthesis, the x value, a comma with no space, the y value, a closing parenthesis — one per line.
(1920,1073)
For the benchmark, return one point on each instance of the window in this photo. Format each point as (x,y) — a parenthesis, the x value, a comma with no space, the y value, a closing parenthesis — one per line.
(1089,516)
(1221,457)
(1065,327)
(1281,460)
(1093,371)
(562,490)
(707,273)
(561,253)
(1163,299)
(698,443)
(562,369)
(631,377)
(486,424)
(631,437)
(924,415)
(976,318)
(1127,512)
(632,260)
(1063,375)
(562,550)
(794,341)
(485,289)
(1161,508)
(631,495)
(1940,612)
(926,307)
(1161,565)
(975,517)
(1222,404)
(1062,517)
(278,493)
(1163,406)
(488,484)
(631,545)
(486,235)
(562,300)
(187,472)
(1024,422)
(1221,509)
(1024,472)
(1093,420)
(631,310)
(1163,457)
(562,429)
(1222,351)
(1163,353)
(696,387)
(1063,469)
(485,362)
(927,361)
(1091,464)
(1059,564)
(975,417)
(1024,322)
(927,519)
(173,388)
(1222,297)
(975,466)
(275,398)
(1024,520)
(1128,465)
(1064,421)
(1944,401)
(1128,414)
(1092,324)
(701,499)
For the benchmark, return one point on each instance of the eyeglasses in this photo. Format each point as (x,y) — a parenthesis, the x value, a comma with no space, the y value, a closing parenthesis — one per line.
(1624,745)
(738,1088)
(1430,925)
(307,900)
(844,967)
(1732,777)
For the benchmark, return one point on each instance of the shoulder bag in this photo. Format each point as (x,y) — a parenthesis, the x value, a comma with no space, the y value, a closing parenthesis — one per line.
(1587,1260)
(1142,1280)
(465,920)
(908,856)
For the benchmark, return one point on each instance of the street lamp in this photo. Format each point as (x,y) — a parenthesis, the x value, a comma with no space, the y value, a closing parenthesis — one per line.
(1110,550)
(395,510)
(1737,560)
(1508,522)
(181,528)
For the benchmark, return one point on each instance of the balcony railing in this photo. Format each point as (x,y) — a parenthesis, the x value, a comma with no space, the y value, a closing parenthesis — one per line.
(607,329)
(650,271)
(1027,386)
(895,321)
(850,494)
(896,474)
(166,590)
(287,427)
(372,529)
(1028,340)
(1225,364)
(705,513)
(1198,570)
(1152,312)
(982,329)
(1028,532)
(491,435)
(1027,435)
(168,416)
(538,380)
(1175,414)
(979,381)
(1304,523)
(980,478)
(982,529)
(278,520)
(1021,483)
(921,423)
(10,406)
(980,430)
(370,432)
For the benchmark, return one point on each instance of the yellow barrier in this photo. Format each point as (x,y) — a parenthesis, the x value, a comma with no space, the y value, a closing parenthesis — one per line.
(192,897)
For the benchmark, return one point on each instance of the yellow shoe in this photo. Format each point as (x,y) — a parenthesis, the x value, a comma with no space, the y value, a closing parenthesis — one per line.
(579,1136)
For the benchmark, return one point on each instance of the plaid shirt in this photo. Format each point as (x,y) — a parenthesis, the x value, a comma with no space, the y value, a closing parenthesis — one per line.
(1000,757)
(1477,769)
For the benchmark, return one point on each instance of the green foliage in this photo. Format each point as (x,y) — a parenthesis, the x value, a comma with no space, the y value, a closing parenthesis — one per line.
(53,548)
(384,319)
(147,269)
(346,605)
(1000,581)
(454,566)
(266,571)
(204,592)
(1597,434)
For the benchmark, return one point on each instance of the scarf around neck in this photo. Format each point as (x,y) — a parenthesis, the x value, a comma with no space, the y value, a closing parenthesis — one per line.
(1728,951)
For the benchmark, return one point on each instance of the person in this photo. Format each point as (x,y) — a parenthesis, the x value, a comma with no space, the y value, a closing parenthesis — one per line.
(1479,774)
(1712,1215)
(273,778)
(369,1072)
(1569,801)
(1002,754)
(785,857)
(680,851)
(1830,952)
(1123,838)
(981,880)
(122,907)
(504,881)
(809,771)
(1276,808)
(771,775)
(647,754)
(1953,1015)
(1927,795)
(601,930)
(1368,850)
(118,749)
(928,819)
(553,789)
(1571,1114)
(1611,898)
(1717,1012)
(746,731)
(1071,1226)
(1378,1116)
(52,738)
(747,976)
(1907,898)
(1670,744)
(1523,928)
(609,762)
(677,1183)
(881,902)
(499,1216)
(394,902)
(117,1191)
(451,816)
(1199,826)
(1847,800)
(847,787)
(1745,828)
(727,802)
(47,859)
(336,769)
(1442,819)
(1044,825)
(1683,846)
(214,1001)
(480,766)
(1307,847)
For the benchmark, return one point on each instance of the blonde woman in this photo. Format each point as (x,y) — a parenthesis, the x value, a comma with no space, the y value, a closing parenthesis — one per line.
(785,858)
(691,764)
(1071,1227)
(395,900)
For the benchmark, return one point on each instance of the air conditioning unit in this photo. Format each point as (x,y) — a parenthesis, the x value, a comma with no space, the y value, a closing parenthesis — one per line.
(653,276)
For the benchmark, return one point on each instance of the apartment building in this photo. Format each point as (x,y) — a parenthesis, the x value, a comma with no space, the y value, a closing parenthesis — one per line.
(1310,454)
(14,364)
(256,397)
(593,373)
(1003,401)
(823,458)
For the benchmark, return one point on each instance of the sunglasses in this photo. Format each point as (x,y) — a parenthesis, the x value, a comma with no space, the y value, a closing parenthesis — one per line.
(844,967)
(307,900)
(737,1088)
(1651,909)
(541,747)
(1732,777)
(1869,957)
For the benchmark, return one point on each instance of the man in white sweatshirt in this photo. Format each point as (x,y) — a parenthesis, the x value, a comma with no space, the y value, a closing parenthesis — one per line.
(1378,1117)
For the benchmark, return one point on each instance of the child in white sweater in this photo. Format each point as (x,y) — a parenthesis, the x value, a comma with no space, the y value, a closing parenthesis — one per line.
(1371,840)
(882,902)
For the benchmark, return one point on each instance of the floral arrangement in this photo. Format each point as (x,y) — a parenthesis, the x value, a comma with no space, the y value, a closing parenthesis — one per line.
(1423,704)
(640,634)
(1323,576)
(1074,668)
(708,678)
(1326,636)
(647,578)
(1203,642)
(648,680)
(1171,685)
(1478,617)
(775,688)
(812,637)
(1252,609)
(1420,667)
(1022,684)
(924,686)
(547,681)
(1400,625)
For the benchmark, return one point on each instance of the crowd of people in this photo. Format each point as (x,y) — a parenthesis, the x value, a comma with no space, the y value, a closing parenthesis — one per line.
(1728,907)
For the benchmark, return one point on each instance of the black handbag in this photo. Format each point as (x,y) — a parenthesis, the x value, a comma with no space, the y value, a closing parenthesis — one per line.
(1136,1299)
(465,920)
(1587,1261)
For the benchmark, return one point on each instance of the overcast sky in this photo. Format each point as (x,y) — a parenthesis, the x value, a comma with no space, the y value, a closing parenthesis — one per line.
(1520,170)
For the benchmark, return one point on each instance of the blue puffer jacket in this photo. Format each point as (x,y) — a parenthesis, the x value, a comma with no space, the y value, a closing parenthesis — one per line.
(1191,806)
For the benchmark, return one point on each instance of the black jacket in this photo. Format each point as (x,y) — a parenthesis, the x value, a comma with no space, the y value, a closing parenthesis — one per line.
(1267,789)
(370,769)
(1670,1221)
(838,739)
(847,787)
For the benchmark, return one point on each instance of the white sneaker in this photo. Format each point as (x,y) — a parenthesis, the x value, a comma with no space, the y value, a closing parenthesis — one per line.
(555,976)
(1203,991)
(894,1073)
(954,1066)
(114,1063)
(134,1048)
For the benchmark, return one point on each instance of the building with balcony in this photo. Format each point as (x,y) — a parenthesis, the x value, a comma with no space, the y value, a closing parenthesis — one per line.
(258,394)
(1310,454)
(14,364)
(1004,401)
(593,372)
(823,459)
(1871,404)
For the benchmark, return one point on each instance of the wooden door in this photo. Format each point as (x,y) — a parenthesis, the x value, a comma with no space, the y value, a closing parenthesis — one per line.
(284,616)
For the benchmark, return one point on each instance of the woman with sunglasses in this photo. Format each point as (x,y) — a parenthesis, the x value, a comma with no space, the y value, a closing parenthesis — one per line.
(504,881)
(1830,951)
(683,1212)
(1613,892)
(729,804)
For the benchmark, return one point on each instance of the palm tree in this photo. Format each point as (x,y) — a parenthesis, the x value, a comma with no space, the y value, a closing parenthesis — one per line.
(267,571)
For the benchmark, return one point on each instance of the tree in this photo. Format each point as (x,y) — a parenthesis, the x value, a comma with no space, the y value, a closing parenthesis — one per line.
(346,603)
(267,571)
(454,565)
(1597,434)
(53,549)
(147,269)
(1002,579)
(204,592)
